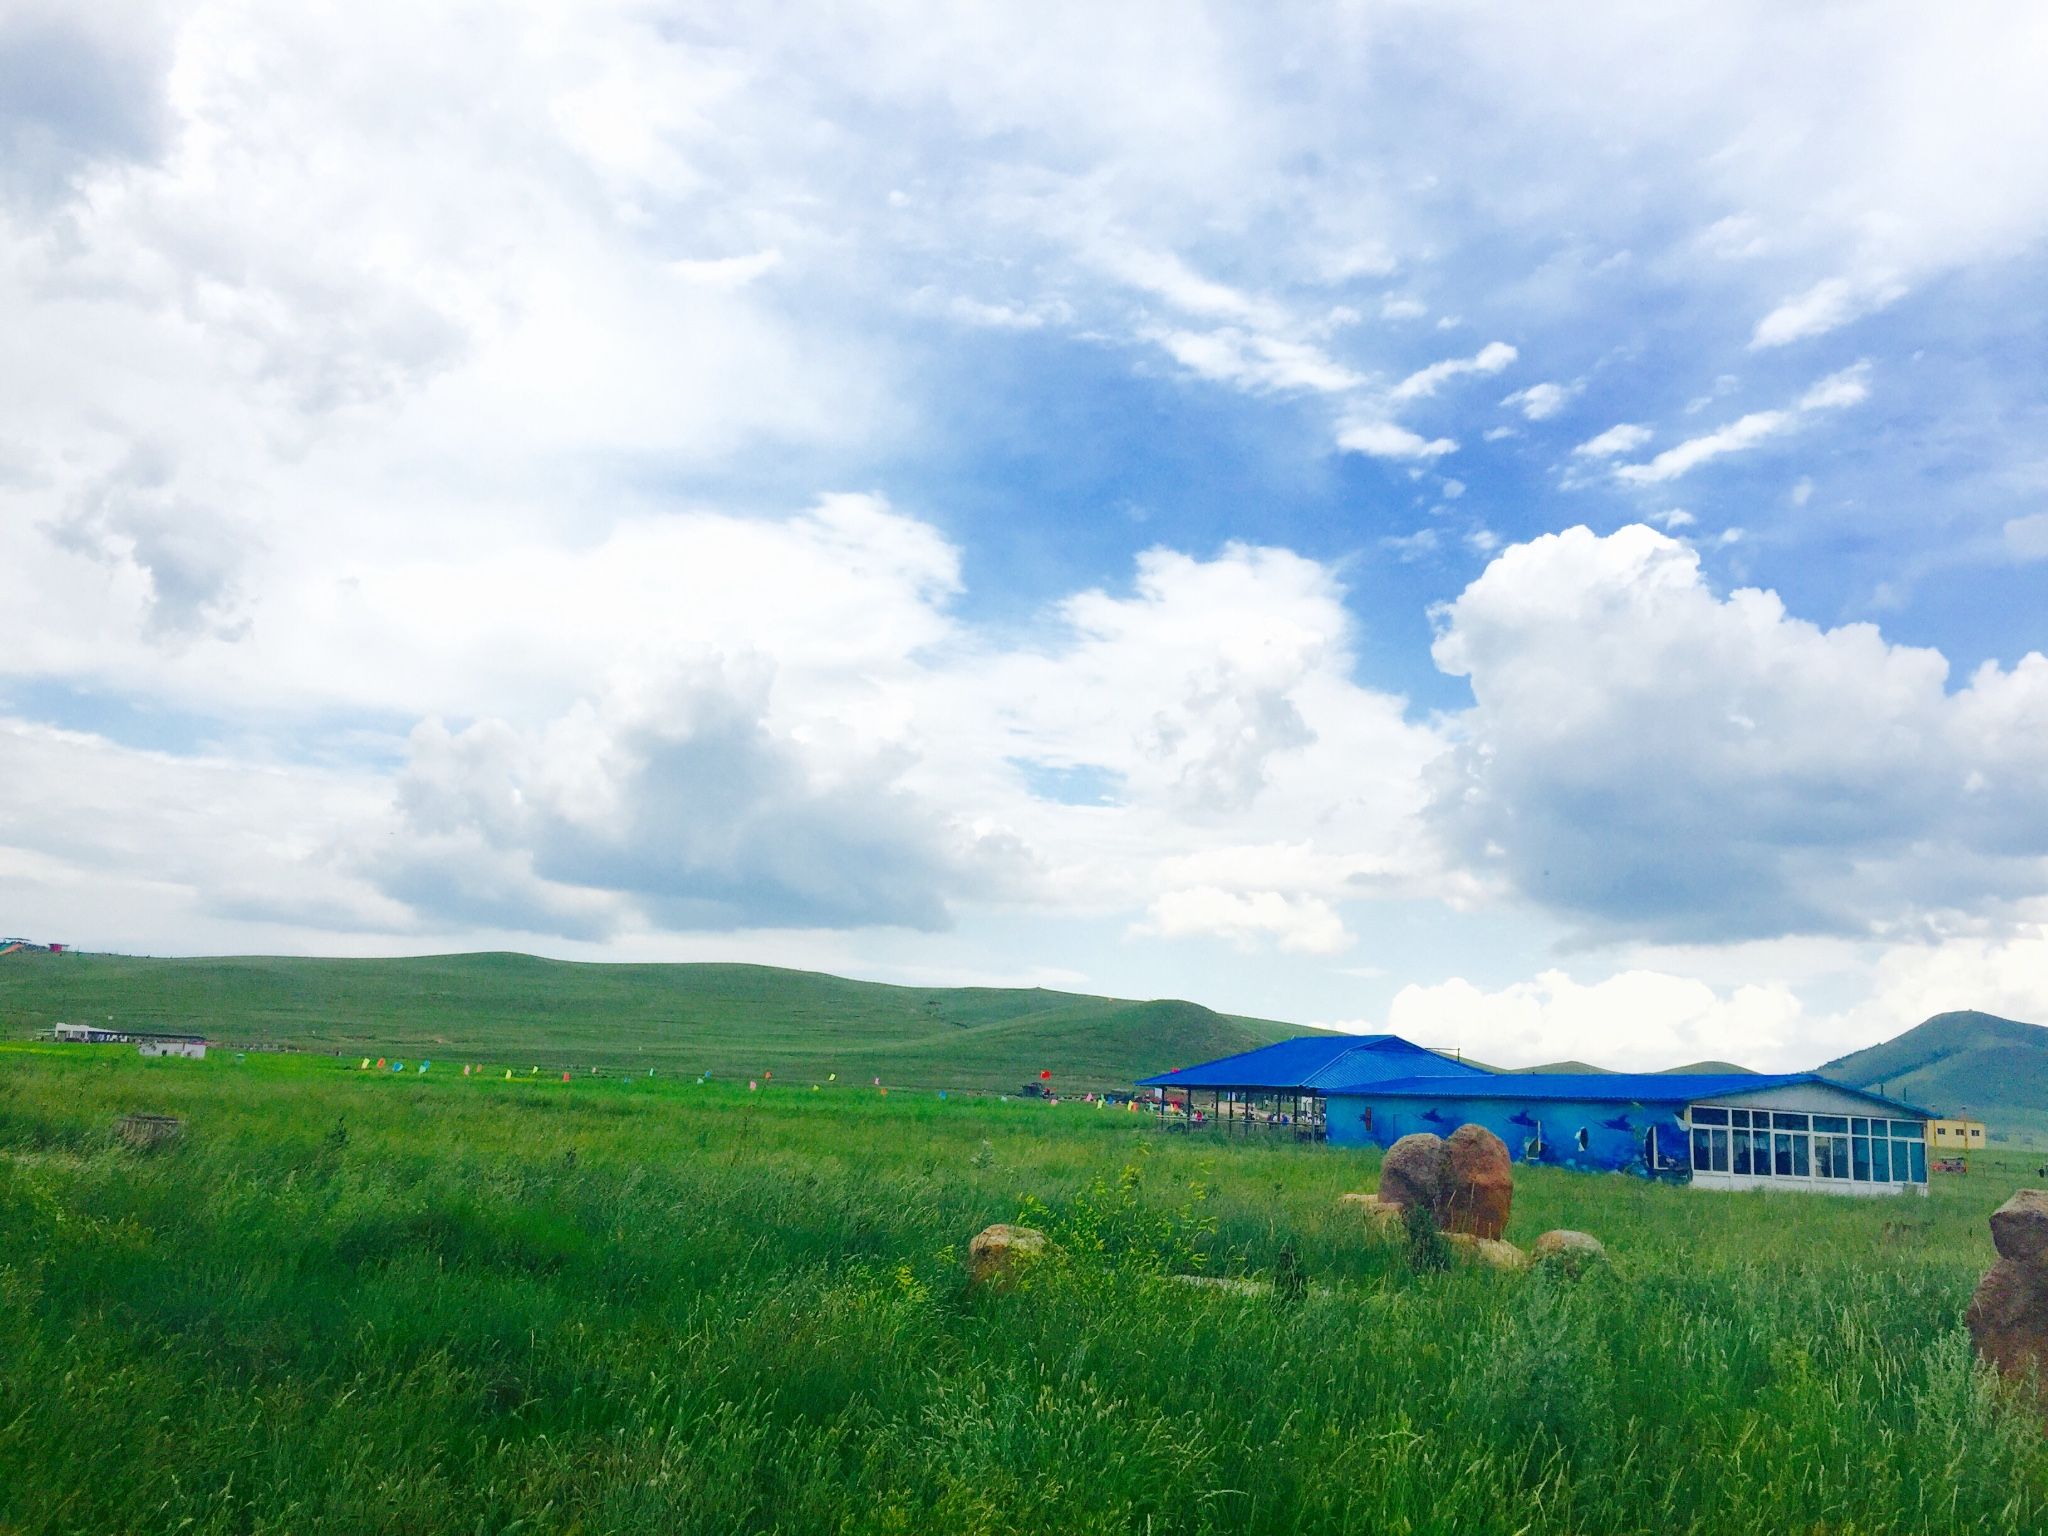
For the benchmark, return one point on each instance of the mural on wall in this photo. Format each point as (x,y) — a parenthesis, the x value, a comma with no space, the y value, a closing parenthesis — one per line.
(1649,1141)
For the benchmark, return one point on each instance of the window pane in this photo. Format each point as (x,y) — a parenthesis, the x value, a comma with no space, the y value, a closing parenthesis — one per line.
(1837,1123)
(1785,1122)
(1860,1152)
(1881,1161)
(1720,1151)
(1741,1151)
(1739,1116)
(1702,1115)
(1702,1159)
(1823,1157)
(1908,1130)
(1802,1162)
(1860,1126)
(1781,1161)
(1919,1165)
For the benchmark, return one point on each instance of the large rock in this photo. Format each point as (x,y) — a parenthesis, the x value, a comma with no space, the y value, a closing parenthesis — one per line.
(1415,1172)
(2019,1228)
(2008,1317)
(1479,1183)
(1573,1251)
(999,1254)
(1488,1251)
(1466,1183)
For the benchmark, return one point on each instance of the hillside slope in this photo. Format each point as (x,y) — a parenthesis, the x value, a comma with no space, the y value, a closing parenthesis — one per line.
(1967,1063)
(733,1020)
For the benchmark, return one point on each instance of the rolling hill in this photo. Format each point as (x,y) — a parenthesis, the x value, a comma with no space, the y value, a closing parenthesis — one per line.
(1963,1063)
(733,1020)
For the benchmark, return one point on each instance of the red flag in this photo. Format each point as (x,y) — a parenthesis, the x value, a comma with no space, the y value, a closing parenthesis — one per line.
(1045,1074)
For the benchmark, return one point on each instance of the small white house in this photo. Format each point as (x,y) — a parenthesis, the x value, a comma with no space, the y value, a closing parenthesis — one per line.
(148,1042)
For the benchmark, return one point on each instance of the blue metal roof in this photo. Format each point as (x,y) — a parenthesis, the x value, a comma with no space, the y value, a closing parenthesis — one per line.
(1308,1062)
(1614,1087)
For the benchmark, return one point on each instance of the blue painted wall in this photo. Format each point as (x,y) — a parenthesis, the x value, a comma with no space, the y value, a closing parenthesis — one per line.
(1615,1133)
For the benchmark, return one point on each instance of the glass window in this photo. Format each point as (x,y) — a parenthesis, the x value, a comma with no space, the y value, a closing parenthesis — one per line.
(1831,1157)
(1781,1162)
(1860,1126)
(1860,1154)
(1881,1161)
(1785,1122)
(1739,1116)
(1839,1124)
(1918,1149)
(1908,1130)
(1802,1162)
(1741,1150)
(1702,1115)
(1720,1139)
(1702,1158)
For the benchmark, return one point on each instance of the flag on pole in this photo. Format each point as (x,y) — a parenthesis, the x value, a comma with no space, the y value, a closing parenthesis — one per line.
(365,1066)
(381,1063)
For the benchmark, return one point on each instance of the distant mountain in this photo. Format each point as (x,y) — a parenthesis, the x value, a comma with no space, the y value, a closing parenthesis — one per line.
(1551,1068)
(1963,1063)
(733,1020)
(1711,1066)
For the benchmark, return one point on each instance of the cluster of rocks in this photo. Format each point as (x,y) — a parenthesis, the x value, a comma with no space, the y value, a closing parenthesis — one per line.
(1466,1183)
(2008,1315)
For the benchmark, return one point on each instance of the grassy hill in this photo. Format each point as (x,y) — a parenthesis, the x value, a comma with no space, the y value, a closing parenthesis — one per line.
(732,1020)
(1966,1063)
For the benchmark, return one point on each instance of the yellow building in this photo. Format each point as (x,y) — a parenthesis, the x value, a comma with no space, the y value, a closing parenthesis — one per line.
(1962,1135)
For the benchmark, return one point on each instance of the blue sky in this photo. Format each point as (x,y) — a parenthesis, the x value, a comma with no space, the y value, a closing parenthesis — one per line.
(1529,530)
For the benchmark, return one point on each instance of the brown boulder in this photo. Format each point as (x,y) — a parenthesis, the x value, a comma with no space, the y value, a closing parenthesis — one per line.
(2008,1317)
(1480,1182)
(2019,1228)
(998,1253)
(1571,1250)
(1415,1172)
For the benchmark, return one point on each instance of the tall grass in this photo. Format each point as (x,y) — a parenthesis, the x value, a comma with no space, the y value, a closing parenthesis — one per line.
(348,1302)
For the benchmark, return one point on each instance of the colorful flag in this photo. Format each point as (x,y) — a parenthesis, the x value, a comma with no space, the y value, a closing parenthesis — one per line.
(831,1077)
(381,1063)
(565,1077)
(752,1086)
(365,1066)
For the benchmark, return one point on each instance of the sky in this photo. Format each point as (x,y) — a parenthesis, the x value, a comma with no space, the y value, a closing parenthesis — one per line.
(1525,527)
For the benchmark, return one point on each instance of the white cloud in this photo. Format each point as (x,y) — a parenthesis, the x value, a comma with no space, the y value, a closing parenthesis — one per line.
(1851,386)
(1257,362)
(1826,306)
(1626,437)
(1395,308)
(1386,440)
(1650,759)
(1540,402)
(1301,925)
(2027,537)
(1491,358)
(1633,1020)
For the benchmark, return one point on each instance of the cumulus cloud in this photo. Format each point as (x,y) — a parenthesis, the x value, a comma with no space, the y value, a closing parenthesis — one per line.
(1302,925)
(1652,759)
(1388,440)
(1540,402)
(1633,1020)
(1625,437)
(1851,386)
(1424,382)
(1826,306)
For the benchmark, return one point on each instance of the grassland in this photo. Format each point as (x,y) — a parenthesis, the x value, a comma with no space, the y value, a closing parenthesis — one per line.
(726,1019)
(360,1302)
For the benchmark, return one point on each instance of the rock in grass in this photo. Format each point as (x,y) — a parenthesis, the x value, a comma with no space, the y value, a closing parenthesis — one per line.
(2019,1228)
(1571,1251)
(1413,1172)
(1479,1182)
(147,1132)
(1235,1285)
(2008,1317)
(1489,1251)
(1380,1215)
(998,1254)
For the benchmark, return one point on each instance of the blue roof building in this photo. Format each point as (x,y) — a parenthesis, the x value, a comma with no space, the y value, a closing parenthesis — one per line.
(1731,1130)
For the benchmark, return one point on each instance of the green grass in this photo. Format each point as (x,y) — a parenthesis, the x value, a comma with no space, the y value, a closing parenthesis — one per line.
(727,1019)
(354,1302)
